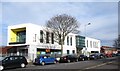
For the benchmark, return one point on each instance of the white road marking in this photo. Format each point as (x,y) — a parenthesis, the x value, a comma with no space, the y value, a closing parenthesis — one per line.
(98,65)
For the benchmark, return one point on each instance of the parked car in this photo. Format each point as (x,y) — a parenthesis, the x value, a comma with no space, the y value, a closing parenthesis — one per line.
(101,55)
(69,58)
(94,56)
(118,54)
(45,59)
(108,55)
(82,57)
(12,62)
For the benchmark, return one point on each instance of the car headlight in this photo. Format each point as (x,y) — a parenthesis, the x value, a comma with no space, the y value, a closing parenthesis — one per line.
(93,56)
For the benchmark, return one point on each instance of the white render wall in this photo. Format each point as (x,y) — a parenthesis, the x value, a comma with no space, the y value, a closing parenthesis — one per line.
(91,45)
(70,47)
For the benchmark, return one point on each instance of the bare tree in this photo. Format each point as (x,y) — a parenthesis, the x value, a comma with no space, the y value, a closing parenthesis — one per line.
(117,42)
(61,26)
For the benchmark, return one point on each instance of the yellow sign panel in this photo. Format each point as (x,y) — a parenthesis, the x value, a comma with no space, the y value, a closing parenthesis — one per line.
(47,50)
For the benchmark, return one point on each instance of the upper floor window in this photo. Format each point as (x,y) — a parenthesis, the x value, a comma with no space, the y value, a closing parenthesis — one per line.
(47,37)
(91,44)
(21,36)
(41,36)
(68,51)
(60,39)
(67,40)
(52,38)
(73,51)
(35,38)
(78,41)
(87,43)
(71,41)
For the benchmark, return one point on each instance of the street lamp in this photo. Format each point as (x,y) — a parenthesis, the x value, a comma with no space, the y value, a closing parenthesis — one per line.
(85,36)
(86,26)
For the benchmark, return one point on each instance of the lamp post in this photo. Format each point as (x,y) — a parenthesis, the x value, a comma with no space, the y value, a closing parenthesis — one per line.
(86,26)
(85,36)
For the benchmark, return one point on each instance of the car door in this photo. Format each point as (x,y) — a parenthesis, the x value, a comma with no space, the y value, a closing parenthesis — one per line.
(70,57)
(17,61)
(49,59)
(52,59)
(8,62)
(45,59)
(12,61)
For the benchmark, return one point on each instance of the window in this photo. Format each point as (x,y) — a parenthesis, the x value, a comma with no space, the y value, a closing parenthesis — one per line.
(87,43)
(60,39)
(52,38)
(21,36)
(94,51)
(67,51)
(91,44)
(41,36)
(67,40)
(78,41)
(16,58)
(73,51)
(35,37)
(11,58)
(71,41)
(47,37)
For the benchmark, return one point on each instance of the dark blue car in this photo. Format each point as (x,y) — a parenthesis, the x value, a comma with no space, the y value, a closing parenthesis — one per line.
(45,59)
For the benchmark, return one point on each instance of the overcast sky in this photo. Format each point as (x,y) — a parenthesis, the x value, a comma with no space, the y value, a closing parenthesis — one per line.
(103,16)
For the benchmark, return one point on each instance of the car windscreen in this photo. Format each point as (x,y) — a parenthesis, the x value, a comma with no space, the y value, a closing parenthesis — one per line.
(1,58)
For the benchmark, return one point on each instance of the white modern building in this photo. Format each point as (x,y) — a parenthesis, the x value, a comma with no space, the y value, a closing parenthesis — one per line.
(32,40)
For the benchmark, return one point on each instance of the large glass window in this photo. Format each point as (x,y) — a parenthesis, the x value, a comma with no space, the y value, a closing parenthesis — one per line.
(41,36)
(80,41)
(47,37)
(21,36)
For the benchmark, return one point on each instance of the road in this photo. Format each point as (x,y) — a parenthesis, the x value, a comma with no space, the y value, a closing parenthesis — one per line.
(104,64)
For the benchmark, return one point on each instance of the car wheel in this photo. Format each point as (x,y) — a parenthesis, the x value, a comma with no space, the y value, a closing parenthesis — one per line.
(43,63)
(83,59)
(68,61)
(23,65)
(55,62)
(1,68)
(76,60)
